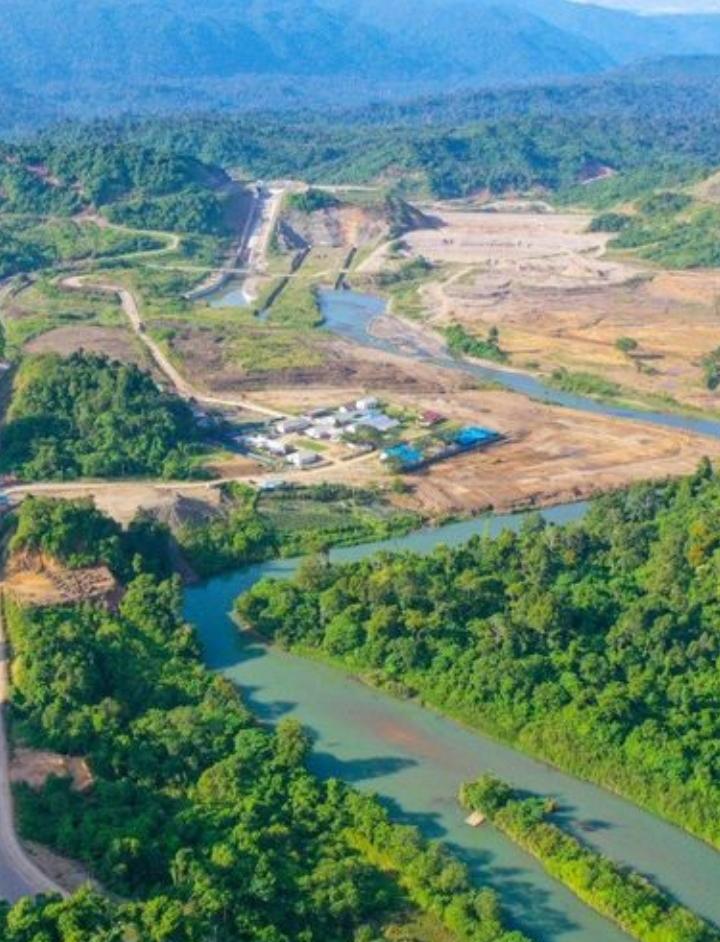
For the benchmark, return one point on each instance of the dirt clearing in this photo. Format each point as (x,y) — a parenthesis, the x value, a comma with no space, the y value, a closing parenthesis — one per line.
(34,767)
(545,283)
(551,455)
(114,342)
(34,581)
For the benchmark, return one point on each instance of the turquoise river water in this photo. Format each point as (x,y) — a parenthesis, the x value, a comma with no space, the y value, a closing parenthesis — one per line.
(415,760)
(350,314)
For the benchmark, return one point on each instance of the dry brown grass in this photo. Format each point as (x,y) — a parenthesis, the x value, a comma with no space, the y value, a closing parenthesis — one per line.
(544,281)
(114,342)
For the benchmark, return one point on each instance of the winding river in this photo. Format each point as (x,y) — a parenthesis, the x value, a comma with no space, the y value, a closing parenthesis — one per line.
(350,314)
(415,760)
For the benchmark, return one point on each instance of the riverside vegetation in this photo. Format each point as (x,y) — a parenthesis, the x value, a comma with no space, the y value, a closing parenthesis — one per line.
(252,526)
(642,910)
(594,645)
(200,822)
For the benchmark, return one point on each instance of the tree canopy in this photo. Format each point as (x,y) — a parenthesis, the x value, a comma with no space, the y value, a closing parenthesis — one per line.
(593,645)
(206,824)
(89,416)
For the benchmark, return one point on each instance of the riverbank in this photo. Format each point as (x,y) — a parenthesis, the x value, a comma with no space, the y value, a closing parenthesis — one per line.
(398,626)
(607,772)
(416,342)
(415,758)
(623,895)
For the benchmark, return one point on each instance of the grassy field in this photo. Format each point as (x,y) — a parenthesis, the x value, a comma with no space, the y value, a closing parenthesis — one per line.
(310,518)
(43,306)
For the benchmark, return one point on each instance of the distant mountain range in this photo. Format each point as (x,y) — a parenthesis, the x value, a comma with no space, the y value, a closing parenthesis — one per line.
(85,57)
(671,88)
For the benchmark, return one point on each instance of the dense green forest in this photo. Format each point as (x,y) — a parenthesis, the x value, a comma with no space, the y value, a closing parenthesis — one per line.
(659,123)
(169,57)
(643,910)
(593,645)
(87,416)
(59,174)
(203,823)
(445,158)
(671,87)
(155,171)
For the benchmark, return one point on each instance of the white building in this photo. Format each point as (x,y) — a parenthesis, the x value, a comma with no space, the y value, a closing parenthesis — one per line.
(291,426)
(278,448)
(379,422)
(327,422)
(367,404)
(270,445)
(303,459)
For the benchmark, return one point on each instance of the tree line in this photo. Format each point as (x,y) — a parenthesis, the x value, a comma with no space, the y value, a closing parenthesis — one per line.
(594,645)
(629,899)
(201,823)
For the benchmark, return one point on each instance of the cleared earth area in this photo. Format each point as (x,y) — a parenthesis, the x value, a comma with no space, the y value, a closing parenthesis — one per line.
(539,276)
(550,455)
(558,300)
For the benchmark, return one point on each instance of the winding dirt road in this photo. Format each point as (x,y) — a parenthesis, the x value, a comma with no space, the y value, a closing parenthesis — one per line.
(18,874)
(184,388)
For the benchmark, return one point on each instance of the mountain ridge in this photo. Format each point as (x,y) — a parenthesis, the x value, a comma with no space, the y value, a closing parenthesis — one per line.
(176,54)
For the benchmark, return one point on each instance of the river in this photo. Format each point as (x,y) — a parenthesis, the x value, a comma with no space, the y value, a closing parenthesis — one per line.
(415,759)
(350,314)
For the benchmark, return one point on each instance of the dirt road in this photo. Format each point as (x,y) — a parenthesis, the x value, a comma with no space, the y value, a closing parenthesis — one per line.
(184,389)
(18,874)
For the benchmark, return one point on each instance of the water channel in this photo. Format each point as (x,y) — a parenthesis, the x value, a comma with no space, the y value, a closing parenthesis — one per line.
(415,760)
(232,294)
(350,314)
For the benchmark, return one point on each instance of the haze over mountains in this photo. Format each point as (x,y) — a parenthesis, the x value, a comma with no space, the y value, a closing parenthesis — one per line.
(57,56)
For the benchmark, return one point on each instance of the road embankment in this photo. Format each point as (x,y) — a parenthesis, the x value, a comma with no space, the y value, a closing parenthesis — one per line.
(19,876)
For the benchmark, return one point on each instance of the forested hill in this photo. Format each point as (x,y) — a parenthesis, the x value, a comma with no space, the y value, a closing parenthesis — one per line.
(131,183)
(95,57)
(509,153)
(659,89)
(655,125)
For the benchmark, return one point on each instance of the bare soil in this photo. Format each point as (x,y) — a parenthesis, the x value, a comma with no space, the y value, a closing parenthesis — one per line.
(342,226)
(114,342)
(551,455)
(34,767)
(37,581)
(69,874)
(558,301)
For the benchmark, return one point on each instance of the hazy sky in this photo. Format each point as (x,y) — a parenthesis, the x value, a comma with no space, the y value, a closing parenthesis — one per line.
(661,6)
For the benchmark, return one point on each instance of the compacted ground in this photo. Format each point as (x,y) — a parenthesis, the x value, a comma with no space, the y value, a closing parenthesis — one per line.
(559,300)
(550,454)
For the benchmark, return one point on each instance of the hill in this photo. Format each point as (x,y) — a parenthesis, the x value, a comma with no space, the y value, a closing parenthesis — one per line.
(651,89)
(98,57)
